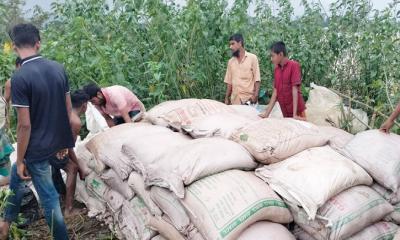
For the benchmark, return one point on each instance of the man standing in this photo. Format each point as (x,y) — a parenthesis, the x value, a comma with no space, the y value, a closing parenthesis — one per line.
(40,93)
(117,104)
(70,164)
(242,76)
(287,85)
(386,126)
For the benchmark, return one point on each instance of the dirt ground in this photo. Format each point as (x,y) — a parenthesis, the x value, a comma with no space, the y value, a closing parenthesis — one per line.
(80,227)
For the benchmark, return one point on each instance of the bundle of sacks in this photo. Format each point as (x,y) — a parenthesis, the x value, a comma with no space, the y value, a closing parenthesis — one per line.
(326,108)
(199,169)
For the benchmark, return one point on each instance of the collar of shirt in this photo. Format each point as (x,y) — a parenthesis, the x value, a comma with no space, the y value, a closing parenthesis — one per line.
(285,63)
(244,57)
(30,59)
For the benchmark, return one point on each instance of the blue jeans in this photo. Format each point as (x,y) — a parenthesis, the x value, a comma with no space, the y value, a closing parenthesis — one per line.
(49,199)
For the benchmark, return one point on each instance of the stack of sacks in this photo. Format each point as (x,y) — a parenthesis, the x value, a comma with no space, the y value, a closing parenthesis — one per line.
(196,159)
(344,215)
(273,140)
(310,178)
(223,205)
(266,230)
(153,183)
(380,230)
(121,189)
(325,108)
(176,114)
(204,117)
(224,124)
(379,154)
(328,193)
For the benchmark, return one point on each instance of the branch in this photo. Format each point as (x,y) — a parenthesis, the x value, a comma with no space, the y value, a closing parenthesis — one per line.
(365,105)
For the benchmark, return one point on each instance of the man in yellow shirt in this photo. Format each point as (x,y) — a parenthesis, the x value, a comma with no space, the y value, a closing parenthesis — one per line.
(242,76)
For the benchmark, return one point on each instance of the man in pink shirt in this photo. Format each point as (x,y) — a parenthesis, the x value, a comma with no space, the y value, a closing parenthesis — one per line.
(117,104)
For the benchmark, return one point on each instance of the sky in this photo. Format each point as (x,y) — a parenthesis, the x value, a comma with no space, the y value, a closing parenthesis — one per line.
(378,4)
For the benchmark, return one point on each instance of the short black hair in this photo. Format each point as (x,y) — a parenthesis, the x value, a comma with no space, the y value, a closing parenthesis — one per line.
(237,37)
(91,90)
(18,61)
(78,98)
(279,47)
(24,35)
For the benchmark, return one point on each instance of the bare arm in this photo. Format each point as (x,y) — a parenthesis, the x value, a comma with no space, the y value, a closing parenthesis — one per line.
(68,104)
(76,128)
(228,93)
(295,94)
(256,92)
(7,91)
(23,136)
(388,124)
(126,117)
(109,120)
(270,105)
(395,114)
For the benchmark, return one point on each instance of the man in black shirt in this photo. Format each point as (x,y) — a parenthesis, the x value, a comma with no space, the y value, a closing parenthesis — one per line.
(40,93)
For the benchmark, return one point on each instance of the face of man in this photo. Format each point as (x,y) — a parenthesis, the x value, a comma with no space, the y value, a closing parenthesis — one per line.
(98,100)
(276,58)
(235,47)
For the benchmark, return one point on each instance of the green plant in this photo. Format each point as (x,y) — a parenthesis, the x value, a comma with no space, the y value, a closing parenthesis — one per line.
(163,51)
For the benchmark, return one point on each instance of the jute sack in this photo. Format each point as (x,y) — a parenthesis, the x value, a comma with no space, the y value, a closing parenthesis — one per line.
(184,112)
(106,146)
(95,206)
(273,140)
(378,231)
(136,182)
(155,114)
(379,154)
(165,229)
(338,138)
(345,214)
(216,125)
(111,178)
(221,206)
(83,156)
(325,172)
(149,145)
(389,195)
(172,207)
(325,108)
(114,200)
(96,186)
(395,215)
(300,234)
(134,218)
(159,237)
(266,231)
(397,236)
(246,111)
(197,159)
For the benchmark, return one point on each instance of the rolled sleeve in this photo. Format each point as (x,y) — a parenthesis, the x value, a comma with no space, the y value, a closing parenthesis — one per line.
(256,70)
(295,78)
(228,74)
(19,93)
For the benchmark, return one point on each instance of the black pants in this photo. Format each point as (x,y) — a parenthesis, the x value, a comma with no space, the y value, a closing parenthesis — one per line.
(120,120)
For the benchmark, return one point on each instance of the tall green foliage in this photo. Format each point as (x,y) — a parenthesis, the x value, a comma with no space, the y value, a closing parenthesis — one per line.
(163,51)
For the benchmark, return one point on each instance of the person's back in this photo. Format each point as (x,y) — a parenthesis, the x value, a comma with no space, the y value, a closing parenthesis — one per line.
(45,85)
(40,94)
